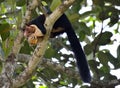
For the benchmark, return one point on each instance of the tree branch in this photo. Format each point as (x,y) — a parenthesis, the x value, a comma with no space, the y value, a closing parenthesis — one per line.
(114,82)
(17,43)
(60,68)
(41,47)
(105,84)
(49,63)
(58,12)
(7,72)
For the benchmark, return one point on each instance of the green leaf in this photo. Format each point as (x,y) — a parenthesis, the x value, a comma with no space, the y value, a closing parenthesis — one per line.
(89,13)
(108,76)
(20,2)
(44,3)
(26,49)
(29,84)
(1,1)
(4,28)
(113,60)
(76,7)
(103,15)
(117,2)
(74,17)
(118,52)
(103,58)
(103,39)
(81,36)
(98,2)
(105,69)
(88,49)
(84,28)
(50,52)
(7,43)
(114,18)
(92,64)
(43,87)
(5,35)
(54,4)
(106,57)
(63,83)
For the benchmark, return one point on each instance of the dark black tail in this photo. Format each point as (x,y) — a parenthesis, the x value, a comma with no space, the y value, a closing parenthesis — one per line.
(74,42)
(79,54)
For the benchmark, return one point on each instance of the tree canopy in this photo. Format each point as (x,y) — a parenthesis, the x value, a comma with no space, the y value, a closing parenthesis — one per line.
(97,25)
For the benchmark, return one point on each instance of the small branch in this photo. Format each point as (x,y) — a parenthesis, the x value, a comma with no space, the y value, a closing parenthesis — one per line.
(49,63)
(17,43)
(96,43)
(96,72)
(60,68)
(103,84)
(23,58)
(113,83)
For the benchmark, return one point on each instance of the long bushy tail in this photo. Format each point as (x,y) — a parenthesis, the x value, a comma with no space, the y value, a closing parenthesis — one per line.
(79,54)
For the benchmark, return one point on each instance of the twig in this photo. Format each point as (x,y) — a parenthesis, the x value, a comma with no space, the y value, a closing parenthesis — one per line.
(94,54)
(96,43)
(17,43)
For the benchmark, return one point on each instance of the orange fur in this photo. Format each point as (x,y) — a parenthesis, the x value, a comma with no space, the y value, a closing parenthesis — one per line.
(33,34)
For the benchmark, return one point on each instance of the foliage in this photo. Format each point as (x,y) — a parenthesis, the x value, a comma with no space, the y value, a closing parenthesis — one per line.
(95,27)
